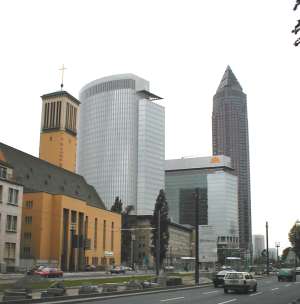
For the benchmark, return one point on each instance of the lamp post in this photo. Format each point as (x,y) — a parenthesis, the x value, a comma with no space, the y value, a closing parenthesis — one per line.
(197,196)
(277,245)
(267,239)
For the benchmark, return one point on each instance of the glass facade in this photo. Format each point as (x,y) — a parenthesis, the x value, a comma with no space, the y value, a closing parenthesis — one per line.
(121,141)
(218,190)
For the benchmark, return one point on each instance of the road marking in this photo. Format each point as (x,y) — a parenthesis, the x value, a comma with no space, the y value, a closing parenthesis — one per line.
(288,285)
(232,300)
(275,288)
(205,293)
(297,282)
(172,299)
(255,294)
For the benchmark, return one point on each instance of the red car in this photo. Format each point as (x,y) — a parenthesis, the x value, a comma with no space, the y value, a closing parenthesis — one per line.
(48,272)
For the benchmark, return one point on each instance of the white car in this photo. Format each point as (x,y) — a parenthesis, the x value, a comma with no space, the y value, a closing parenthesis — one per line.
(239,281)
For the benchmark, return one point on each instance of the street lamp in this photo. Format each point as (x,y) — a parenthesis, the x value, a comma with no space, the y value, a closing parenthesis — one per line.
(277,245)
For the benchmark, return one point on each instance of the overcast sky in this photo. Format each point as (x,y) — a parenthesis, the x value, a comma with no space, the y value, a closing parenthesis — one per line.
(182,48)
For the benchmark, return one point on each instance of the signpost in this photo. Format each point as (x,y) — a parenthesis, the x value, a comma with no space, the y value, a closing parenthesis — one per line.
(207,244)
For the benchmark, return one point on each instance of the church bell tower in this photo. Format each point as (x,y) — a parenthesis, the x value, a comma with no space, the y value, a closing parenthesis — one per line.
(58,140)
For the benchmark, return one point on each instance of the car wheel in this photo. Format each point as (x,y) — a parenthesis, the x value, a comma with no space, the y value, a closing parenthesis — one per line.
(246,289)
(225,290)
(279,279)
(255,288)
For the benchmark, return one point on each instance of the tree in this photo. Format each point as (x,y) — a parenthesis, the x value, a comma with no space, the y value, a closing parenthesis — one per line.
(126,235)
(117,206)
(297,26)
(294,238)
(160,225)
(285,253)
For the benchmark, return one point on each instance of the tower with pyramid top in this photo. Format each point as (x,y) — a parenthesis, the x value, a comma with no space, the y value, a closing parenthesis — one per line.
(230,137)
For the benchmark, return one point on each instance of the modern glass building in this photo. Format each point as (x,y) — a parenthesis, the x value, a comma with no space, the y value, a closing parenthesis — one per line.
(218,195)
(121,144)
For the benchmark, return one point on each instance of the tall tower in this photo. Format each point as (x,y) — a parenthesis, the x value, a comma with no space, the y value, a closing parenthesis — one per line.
(121,145)
(230,137)
(58,141)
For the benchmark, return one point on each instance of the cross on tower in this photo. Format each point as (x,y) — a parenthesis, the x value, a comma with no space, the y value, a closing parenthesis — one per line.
(62,69)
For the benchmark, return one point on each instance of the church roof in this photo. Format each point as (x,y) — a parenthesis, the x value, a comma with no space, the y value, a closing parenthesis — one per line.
(229,81)
(37,175)
(60,94)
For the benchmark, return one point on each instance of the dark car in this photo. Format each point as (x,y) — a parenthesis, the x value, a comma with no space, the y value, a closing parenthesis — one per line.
(219,278)
(286,274)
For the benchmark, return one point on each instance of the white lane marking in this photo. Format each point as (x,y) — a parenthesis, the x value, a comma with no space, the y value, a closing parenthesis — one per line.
(297,282)
(172,299)
(232,300)
(275,288)
(205,293)
(255,294)
(288,285)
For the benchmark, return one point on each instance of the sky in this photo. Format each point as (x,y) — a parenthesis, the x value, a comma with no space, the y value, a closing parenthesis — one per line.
(182,48)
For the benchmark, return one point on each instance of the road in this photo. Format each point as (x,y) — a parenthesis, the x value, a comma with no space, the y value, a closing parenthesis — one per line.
(270,291)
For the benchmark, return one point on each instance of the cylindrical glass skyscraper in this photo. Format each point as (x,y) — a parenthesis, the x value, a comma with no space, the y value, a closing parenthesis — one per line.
(121,141)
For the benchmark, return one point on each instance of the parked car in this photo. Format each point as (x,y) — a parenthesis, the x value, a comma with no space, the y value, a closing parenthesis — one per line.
(286,274)
(117,270)
(298,271)
(239,281)
(219,278)
(89,268)
(48,272)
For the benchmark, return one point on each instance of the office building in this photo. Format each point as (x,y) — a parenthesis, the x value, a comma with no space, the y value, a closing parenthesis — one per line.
(218,204)
(121,145)
(11,194)
(230,138)
(258,245)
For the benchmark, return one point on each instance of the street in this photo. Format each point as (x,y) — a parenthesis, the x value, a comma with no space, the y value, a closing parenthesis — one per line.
(270,291)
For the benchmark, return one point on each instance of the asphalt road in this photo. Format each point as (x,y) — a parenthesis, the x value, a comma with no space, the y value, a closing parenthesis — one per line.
(270,291)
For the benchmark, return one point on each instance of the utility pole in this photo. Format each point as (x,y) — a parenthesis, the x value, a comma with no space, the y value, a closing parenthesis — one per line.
(158,244)
(267,239)
(197,236)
